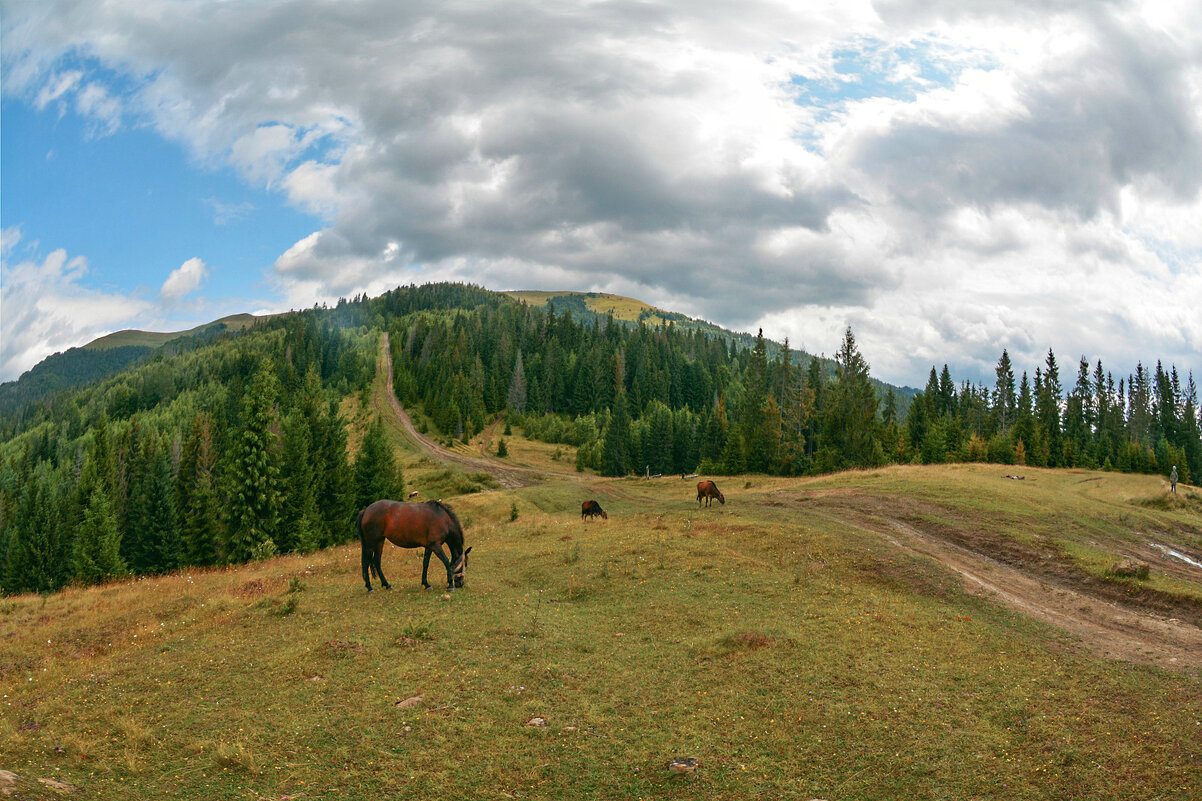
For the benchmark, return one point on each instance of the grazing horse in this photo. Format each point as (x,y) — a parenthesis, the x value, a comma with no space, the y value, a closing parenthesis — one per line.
(412,525)
(592,509)
(709,490)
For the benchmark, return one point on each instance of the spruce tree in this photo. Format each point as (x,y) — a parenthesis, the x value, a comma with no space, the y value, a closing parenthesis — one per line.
(254,509)
(1004,400)
(335,480)
(196,495)
(753,420)
(300,524)
(1047,412)
(31,564)
(734,453)
(377,475)
(850,425)
(516,397)
(97,553)
(615,449)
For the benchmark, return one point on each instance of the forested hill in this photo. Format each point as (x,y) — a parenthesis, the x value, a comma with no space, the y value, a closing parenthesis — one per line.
(233,446)
(593,306)
(105,356)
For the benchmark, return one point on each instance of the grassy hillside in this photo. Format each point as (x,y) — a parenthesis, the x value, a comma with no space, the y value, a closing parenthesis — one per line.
(102,357)
(156,339)
(792,640)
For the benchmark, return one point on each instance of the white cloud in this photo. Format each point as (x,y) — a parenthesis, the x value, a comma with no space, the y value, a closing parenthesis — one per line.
(45,309)
(184,279)
(951,178)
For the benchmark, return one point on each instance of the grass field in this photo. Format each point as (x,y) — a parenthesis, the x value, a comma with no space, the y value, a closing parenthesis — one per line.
(155,339)
(779,639)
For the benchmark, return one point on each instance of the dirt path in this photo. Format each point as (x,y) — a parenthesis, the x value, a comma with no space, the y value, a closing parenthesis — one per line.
(1103,626)
(509,476)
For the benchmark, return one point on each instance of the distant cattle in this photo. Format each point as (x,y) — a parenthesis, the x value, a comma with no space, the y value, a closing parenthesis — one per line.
(592,509)
(709,490)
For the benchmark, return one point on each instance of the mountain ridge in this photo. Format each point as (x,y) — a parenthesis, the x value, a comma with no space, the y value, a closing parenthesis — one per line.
(114,352)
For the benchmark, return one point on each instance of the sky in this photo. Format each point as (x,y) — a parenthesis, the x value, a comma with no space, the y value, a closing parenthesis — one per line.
(948,179)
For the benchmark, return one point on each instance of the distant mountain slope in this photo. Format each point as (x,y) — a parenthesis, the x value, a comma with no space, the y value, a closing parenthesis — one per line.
(630,310)
(103,357)
(156,339)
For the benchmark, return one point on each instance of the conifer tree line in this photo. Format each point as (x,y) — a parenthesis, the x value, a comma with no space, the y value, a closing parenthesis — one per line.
(243,454)
(231,448)
(1147,421)
(634,398)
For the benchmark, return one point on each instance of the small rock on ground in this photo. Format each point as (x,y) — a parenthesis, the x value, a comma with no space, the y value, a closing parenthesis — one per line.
(54,784)
(410,702)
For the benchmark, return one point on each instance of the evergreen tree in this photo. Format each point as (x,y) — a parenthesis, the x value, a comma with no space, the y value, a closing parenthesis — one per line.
(97,553)
(1048,394)
(713,440)
(1004,401)
(196,495)
(516,396)
(254,509)
(813,406)
(615,451)
(377,475)
(334,480)
(657,447)
(759,441)
(300,523)
(151,511)
(947,392)
(31,564)
(850,425)
(733,454)
(1024,420)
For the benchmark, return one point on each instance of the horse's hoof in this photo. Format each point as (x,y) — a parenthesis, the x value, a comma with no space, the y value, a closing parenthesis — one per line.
(369,589)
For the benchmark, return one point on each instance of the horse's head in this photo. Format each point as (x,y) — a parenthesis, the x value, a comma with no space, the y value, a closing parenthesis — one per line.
(721,499)
(460,568)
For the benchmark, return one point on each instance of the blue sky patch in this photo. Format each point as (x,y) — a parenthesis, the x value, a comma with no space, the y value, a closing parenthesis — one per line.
(134,205)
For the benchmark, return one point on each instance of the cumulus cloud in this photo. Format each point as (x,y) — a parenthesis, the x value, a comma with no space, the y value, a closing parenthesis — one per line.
(184,279)
(950,178)
(47,310)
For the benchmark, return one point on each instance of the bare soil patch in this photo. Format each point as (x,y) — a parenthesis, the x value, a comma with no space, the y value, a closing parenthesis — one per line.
(1118,620)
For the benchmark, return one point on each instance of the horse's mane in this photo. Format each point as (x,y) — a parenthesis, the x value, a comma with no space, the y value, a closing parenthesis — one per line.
(456,529)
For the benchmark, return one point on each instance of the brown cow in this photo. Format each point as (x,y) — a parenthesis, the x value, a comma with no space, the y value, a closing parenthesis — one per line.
(592,509)
(709,490)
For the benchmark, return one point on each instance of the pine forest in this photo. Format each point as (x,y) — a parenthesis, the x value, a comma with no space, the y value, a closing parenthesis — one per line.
(225,448)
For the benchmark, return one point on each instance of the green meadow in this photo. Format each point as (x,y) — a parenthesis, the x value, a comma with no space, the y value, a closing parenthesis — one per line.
(785,640)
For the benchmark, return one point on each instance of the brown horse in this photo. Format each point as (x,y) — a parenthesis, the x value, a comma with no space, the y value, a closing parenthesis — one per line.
(592,509)
(709,490)
(412,525)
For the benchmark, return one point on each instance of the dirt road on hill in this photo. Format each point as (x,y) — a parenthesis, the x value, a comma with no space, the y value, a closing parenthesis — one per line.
(1106,626)
(509,476)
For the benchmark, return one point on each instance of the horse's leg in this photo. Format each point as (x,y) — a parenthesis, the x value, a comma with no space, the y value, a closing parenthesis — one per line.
(425,567)
(366,564)
(376,562)
(437,549)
